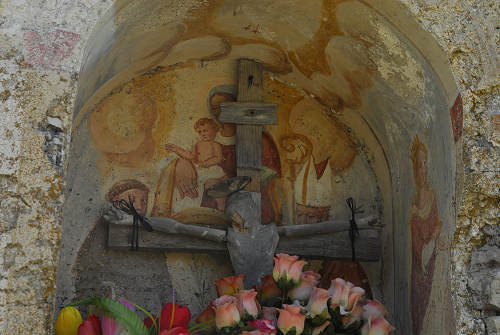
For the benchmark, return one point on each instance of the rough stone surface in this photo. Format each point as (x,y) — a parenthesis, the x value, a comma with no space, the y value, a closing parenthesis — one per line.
(41,51)
(492,325)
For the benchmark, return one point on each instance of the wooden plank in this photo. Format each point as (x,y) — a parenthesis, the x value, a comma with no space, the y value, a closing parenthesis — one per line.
(333,246)
(248,112)
(249,146)
(250,81)
(119,239)
(326,227)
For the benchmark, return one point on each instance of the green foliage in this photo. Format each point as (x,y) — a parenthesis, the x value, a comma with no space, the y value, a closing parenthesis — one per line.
(337,327)
(117,311)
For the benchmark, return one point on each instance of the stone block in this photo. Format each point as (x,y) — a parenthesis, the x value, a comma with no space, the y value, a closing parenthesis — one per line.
(492,325)
(494,298)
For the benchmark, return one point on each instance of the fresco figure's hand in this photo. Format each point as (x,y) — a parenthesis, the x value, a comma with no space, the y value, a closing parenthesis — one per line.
(171,147)
(186,179)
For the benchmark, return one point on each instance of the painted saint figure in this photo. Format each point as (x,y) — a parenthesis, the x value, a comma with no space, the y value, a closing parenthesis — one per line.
(425,227)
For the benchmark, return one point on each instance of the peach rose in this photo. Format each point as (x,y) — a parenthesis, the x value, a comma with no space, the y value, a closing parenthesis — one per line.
(378,326)
(319,329)
(229,285)
(308,281)
(353,316)
(287,268)
(318,303)
(247,302)
(345,295)
(269,288)
(374,309)
(226,311)
(290,317)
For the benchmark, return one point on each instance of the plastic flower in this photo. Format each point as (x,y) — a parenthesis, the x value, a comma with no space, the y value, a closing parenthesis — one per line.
(269,313)
(345,295)
(226,311)
(229,285)
(247,303)
(317,305)
(208,315)
(263,325)
(148,322)
(308,281)
(110,326)
(91,326)
(378,326)
(181,316)
(319,329)
(68,321)
(373,309)
(287,270)
(354,316)
(269,288)
(175,331)
(291,319)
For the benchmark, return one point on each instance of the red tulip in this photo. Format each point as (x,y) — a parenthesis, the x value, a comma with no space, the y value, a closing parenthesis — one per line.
(148,322)
(229,285)
(181,316)
(91,326)
(175,331)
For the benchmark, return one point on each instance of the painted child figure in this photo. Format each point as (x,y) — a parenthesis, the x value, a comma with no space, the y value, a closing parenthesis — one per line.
(206,155)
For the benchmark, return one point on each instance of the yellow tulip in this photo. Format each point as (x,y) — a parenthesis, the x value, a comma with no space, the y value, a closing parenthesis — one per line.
(68,321)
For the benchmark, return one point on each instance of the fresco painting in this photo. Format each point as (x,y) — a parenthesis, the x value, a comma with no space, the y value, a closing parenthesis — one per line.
(425,227)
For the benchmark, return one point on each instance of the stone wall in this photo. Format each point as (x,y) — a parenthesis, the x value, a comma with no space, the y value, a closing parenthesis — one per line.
(41,52)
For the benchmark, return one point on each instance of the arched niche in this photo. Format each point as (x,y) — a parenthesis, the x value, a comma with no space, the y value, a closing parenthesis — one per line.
(363,70)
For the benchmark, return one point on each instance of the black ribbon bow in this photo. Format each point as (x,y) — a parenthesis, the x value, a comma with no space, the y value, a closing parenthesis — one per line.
(128,207)
(353,229)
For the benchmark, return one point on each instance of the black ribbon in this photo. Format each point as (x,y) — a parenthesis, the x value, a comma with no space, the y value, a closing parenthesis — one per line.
(128,207)
(353,229)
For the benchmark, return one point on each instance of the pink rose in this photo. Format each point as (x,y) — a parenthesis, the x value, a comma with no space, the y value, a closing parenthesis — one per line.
(378,326)
(291,317)
(229,285)
(353,316)
(263,325)
(373,309)
(318,303)
(308,281)
(287,268)
(247,302)
(269,313)
(345,295)
(226,311)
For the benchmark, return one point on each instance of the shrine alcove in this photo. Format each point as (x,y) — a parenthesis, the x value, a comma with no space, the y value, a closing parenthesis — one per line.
(364,99)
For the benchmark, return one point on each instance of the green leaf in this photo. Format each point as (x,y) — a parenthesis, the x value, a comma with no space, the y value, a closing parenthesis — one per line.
(119,312)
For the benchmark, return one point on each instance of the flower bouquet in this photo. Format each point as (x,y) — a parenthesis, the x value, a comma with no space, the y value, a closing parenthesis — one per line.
(288,302)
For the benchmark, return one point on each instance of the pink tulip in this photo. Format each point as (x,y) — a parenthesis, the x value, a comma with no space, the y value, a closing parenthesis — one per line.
(247,302)
(110,326)
(318,303)
(291,317)
(345,295)
(378,326)
(319,329)
(373,309)
(308,281)
(288,268)
(226,311)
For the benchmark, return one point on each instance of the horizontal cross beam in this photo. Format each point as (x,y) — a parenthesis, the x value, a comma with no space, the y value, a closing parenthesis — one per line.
(326,240)
(260,113)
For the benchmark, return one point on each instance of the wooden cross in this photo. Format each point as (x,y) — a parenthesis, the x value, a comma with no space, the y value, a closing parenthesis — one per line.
(250,244)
